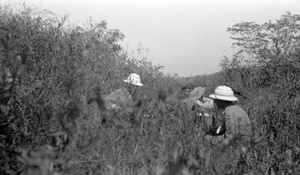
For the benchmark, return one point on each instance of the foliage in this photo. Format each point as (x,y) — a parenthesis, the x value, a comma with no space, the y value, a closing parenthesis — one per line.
(53,78)
(265,67)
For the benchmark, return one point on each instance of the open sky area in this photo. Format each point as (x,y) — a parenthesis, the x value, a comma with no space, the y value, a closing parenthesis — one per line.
(187,37)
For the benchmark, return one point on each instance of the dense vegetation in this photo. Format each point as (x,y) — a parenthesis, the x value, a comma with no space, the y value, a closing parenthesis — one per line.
(52,77)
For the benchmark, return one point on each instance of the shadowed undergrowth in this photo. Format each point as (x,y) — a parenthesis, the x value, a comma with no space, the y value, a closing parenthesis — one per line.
(53,121)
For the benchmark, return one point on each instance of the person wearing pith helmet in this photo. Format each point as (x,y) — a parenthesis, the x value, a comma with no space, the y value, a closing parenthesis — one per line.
(133,82)
(124,96)
(236,126)
(237,122)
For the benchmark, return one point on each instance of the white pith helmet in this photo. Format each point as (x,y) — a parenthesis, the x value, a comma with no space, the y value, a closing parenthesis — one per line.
(134,79)
(223,93)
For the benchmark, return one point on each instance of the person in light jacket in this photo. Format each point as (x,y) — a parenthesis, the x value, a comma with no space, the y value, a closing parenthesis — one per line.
(235,130)
(237,122)
(123,97)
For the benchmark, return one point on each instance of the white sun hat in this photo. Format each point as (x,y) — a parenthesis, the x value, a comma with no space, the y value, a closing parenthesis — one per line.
(134,79)
(223,93)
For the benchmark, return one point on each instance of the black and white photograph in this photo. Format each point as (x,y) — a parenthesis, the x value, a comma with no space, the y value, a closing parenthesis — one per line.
(150,87)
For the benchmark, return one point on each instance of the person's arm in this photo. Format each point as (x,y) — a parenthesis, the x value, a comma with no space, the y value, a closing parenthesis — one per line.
(198,102)
(229,129)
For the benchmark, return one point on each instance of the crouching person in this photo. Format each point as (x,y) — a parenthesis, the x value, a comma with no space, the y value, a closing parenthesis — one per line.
(235,130)
(125,97)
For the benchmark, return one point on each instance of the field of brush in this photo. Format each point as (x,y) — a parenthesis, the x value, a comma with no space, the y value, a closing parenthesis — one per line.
(53,77)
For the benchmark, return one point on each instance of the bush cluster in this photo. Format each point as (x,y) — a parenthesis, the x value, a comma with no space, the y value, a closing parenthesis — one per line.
(53,77)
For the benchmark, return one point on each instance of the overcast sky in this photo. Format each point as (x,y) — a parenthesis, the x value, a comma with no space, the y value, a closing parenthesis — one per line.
(187,37)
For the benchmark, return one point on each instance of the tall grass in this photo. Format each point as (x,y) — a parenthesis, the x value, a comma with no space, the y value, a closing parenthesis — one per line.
(53,122)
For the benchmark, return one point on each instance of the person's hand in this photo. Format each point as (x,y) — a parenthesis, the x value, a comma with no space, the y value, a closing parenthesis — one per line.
(206,99)
(199,103)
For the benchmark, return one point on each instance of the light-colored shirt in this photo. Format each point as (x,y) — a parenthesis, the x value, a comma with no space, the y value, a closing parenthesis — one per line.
(119,98)
(237,121)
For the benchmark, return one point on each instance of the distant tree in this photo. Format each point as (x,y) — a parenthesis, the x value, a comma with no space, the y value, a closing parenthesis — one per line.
(271,50)
(260,43)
